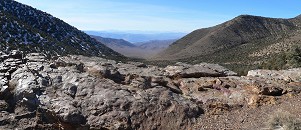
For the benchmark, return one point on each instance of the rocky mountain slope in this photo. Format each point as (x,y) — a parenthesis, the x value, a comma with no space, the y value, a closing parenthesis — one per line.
(25,28)
(136,50)
(243,40)
(77,92)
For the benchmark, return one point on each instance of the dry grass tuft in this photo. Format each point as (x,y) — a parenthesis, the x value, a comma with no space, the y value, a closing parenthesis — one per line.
(282,120)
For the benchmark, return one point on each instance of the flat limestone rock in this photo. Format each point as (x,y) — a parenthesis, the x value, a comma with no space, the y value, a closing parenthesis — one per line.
(287,75)
(198,70)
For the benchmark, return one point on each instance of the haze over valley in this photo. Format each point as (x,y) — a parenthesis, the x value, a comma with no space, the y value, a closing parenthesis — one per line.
(150,65)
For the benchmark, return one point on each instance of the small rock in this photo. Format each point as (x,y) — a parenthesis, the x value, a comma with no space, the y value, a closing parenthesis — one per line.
(15,54)
(267,90)
(138,64)
(258,100)
(3,105)
(71,89)
(35,57)
(216,108)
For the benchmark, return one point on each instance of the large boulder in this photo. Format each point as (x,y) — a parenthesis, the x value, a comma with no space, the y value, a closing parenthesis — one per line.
(116,107)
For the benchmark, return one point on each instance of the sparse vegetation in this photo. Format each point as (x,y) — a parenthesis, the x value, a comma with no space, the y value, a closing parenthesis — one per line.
(241,44)
(291,59)
(283,121)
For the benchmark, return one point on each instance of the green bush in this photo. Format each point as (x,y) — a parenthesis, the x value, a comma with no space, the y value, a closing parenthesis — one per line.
(294,58)
(291,59)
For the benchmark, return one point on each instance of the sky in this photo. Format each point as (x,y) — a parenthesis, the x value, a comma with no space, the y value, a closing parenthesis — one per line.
(160,15)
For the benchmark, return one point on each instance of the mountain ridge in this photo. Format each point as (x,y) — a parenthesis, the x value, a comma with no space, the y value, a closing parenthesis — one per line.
(235,32)
(39,31)
(298,17)
(113,42)
(243,43)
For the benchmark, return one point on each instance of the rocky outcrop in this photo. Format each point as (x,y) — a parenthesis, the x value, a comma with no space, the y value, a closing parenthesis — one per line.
(77,92)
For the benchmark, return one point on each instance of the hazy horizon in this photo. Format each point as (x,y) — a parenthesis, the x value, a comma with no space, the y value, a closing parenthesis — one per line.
(134,31)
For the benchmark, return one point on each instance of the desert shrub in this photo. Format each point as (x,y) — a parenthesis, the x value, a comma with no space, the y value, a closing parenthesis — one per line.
(281,120)
(294,57)
(291,59)
(275,63)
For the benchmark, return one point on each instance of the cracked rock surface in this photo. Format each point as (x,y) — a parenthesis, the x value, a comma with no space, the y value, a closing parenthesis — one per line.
(77,92)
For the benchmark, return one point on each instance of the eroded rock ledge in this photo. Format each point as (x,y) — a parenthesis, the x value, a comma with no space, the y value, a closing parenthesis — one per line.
(93,93)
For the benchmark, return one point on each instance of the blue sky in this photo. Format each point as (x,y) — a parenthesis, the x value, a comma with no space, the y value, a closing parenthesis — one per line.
(160,15)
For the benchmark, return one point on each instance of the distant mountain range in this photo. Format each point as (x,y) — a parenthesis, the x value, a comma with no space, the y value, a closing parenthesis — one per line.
(244,41)
(156,44)
(139,50)
(31,30)
(111,42)
(137,36)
